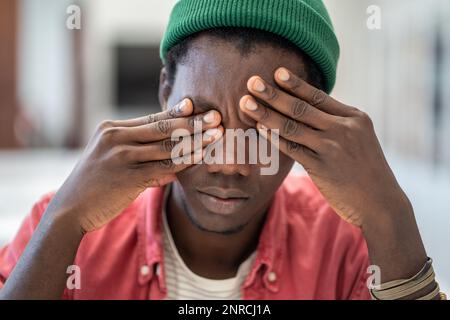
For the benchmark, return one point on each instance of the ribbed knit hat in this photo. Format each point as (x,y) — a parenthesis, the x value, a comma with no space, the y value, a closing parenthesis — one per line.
(305,23)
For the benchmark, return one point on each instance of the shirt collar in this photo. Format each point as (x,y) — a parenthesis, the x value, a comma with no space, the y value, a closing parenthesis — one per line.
(270,252)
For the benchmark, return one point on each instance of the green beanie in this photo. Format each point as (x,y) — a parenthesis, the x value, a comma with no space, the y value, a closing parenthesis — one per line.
(305,23)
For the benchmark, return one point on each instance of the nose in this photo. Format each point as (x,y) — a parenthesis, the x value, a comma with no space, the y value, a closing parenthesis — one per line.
(234,157)
(230,169)
(229,156)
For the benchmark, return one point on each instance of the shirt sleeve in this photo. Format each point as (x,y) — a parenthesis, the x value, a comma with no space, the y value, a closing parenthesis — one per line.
(10,254)
(361,291)
(358,260)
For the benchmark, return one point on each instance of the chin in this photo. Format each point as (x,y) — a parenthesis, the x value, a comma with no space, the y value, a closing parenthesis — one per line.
(212,222)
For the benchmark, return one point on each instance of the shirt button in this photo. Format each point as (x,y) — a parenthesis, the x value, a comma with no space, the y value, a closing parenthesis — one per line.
(272,277)
(145,270)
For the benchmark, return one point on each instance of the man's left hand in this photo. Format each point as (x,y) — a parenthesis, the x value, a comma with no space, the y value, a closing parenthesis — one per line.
(335,143)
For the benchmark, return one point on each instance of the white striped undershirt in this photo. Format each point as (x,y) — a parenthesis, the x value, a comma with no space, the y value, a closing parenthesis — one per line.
(183,284)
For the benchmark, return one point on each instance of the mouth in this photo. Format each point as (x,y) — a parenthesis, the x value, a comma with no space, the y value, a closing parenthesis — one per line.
(222,201)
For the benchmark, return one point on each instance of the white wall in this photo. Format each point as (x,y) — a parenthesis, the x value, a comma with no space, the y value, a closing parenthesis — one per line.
(109,22)
(45,68)
(388,74)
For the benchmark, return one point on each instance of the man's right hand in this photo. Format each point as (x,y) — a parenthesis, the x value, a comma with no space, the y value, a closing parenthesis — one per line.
(123,158)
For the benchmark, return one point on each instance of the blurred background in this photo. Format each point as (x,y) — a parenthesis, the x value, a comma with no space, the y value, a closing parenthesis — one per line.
(57,84)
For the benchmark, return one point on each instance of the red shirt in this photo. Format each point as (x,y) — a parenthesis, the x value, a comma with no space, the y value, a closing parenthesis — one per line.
(305,251)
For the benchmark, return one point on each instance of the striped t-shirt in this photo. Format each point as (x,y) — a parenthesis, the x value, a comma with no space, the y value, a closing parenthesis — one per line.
(183,284)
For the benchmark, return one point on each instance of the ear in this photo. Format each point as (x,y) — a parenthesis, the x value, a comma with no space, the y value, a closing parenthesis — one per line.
(164,88)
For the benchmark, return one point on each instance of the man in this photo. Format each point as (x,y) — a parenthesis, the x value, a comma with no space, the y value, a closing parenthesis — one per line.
(138,223)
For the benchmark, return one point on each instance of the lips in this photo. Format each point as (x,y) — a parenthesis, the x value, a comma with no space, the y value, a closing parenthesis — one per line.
(224,193)
(222,201)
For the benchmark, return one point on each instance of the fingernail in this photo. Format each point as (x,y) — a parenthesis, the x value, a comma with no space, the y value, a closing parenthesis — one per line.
(182,106)
(211,134)
(263,127)
(263,132)
(259,86)
(210,117)
(283,74)
(251,105)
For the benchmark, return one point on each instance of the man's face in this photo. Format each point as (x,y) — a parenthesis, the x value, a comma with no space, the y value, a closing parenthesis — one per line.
(224,198)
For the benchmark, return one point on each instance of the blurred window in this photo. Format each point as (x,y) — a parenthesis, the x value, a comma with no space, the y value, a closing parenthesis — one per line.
(137,77)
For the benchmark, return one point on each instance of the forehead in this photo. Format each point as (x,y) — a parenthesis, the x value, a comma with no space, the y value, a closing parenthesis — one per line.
(215,70)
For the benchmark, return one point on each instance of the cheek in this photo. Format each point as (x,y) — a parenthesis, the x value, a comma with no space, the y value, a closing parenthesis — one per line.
(192,176)
(271,183)
(286,164)
(185,175)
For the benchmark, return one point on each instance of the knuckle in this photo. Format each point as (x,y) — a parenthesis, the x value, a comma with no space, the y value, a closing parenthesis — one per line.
(334,125)
(110,133)
(352,125)
(264,114)
(168,145)
(349,130)
(151,118)
(365,119)
(293,147)
(332,149)
(106,124)
(290,128)
(164,126)
(355,110)
(299,109)
(300,150)
(318,97)
(192,121)
(166,164)
(345,124)
(122,153)
(296,85)
(272,94)
(340,124)
(173,112)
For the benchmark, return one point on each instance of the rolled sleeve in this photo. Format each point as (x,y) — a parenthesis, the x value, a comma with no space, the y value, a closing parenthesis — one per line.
(358,261)
(10,254)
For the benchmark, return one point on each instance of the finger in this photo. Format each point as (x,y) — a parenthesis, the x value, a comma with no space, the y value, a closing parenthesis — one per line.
(162,181)
(171,166)
(288,128)
(296,151)
(169,128)
(182,109)
(289,105)
(315,97)
(172,149)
